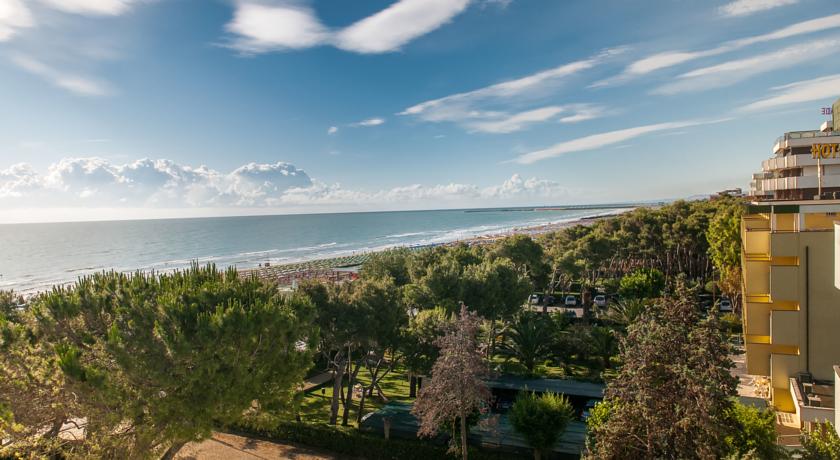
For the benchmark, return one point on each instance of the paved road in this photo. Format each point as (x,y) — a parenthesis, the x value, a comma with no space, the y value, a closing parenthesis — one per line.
(224,446)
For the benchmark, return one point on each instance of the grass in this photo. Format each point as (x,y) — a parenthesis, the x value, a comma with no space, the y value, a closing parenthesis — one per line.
(315,406)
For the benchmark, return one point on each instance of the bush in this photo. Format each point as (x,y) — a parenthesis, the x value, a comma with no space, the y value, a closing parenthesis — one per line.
(351,442)
(731,323)
(821,444)
(644,283)
(541,419)
(753,430)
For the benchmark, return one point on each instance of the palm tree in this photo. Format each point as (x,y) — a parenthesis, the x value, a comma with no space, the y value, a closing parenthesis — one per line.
(625,311)
(604,344)
(528,339)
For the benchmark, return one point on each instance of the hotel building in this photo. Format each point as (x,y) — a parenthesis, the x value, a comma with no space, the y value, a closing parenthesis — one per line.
(790,235)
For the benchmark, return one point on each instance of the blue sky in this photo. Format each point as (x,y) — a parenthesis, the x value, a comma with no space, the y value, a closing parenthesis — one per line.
(157,108)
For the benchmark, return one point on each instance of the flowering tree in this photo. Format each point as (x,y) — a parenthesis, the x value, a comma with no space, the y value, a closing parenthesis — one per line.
(457,388)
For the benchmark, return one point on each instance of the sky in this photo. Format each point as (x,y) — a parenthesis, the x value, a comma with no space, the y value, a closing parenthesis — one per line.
(113,109)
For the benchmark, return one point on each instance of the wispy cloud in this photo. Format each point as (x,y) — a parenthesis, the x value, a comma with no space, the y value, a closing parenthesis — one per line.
(747,7)
(14,15)
(731,72)
(400,23)
(77,84)
(824,88)
(368,123)
(669,59)
(92,7)
(479,109)
(606,139)
(260,27)
(332,130)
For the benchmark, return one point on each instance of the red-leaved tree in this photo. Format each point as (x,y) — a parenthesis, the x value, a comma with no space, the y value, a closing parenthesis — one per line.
(457,389)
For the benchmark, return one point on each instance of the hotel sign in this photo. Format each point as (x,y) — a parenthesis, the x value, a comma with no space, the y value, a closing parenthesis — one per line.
(825,151)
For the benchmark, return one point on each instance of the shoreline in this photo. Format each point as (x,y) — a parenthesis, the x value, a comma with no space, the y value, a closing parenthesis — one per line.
(343,268)
(344,265)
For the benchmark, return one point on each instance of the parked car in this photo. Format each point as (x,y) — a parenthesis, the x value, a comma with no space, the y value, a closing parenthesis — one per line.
(550,300)
(600,300)
(725,305)
(534,299)
(570,301)
(587,410)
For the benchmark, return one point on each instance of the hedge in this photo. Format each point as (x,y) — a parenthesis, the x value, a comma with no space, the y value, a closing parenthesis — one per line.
(357,444)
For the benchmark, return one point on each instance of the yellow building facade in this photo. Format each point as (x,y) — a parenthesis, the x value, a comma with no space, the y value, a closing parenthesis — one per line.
(790,239)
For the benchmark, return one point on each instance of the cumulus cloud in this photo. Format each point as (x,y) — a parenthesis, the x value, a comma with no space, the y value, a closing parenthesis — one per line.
(731,72)
(14,15)
(606,139)
(669,59)
(98,182)
(823,88)
(78,84)
(164,184)
(747,7)
(487,109)
(260,26)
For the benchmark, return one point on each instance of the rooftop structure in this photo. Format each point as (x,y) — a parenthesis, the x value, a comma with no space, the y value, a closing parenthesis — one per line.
(805,165)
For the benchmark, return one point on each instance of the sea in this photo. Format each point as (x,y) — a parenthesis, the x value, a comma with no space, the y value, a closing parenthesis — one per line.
(35,257)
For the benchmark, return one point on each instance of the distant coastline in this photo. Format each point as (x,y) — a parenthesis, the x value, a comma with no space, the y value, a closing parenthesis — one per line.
(270,246)
(286,275)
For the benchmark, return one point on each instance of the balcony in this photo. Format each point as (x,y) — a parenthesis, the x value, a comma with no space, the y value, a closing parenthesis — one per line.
(813,400)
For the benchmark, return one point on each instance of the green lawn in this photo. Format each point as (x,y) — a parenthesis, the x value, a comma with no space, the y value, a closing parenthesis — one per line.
(315,407)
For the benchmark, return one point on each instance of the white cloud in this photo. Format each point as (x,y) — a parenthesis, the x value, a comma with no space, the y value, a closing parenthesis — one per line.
(747,7)
(596,141)
(92,7)
(824,88)
(332,130)
(159,184)
(262,27)
(368,123)
(669,59)
(729,73)
(393,27)
(74,83)
(516,122)
(14,15)
(479,109)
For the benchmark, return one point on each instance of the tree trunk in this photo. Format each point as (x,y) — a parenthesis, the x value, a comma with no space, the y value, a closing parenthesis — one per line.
(348,399)
(173,450)
(537,454)
(55,428)
(463,435)
(412,386)
(361,408)
(337,380)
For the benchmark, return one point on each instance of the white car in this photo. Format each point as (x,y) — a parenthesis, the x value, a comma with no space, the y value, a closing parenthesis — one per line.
(570,301)
(534,299)
(725,305)
(600,300)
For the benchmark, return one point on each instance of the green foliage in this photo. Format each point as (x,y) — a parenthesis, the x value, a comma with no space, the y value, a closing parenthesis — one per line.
(753,432)
(644,283)
(822,443)
(528,339)
(672,395)
(392,263)
(541,419)
(163,358)
(357,444)
(419,340)
(731,323)
(599,416)
(724,236)
(527,255)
